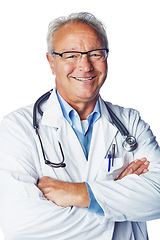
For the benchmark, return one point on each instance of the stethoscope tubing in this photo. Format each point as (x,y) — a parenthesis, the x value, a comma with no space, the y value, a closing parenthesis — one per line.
(129,144)
(37,105)
(117,122)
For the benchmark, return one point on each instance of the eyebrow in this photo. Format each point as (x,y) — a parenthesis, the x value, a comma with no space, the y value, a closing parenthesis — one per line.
(76,50)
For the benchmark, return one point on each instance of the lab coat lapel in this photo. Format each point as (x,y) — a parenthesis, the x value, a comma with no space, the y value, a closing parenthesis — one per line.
(103,135)
(75,159)
(74,155)
(78,168)
(52,113)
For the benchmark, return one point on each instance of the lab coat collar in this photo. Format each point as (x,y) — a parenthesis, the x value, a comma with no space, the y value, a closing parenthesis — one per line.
(53,115)
(104,110)
(52,112)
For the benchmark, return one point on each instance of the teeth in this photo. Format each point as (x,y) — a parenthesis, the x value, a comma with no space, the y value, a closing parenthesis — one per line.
(84,79)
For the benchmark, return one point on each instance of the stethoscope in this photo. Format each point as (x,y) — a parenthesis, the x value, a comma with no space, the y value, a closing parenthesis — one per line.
(37,107)
(129,144)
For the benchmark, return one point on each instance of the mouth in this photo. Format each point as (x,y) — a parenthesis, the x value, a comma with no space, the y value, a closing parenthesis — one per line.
(84,79)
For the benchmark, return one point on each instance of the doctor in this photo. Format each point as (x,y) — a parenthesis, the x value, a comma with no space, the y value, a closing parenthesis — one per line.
(89,198)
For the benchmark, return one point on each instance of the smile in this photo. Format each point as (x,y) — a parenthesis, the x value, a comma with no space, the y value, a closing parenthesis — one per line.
(84,79)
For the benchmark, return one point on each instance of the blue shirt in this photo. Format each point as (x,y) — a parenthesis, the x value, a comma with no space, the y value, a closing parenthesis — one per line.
(73,118)
(83,130)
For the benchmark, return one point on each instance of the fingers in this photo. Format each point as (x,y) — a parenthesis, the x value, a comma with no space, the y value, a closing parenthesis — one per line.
(45,183)
(139,166)
(142,167)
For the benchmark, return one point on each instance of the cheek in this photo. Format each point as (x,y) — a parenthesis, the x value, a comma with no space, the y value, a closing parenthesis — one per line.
(62,64)
(102,69)
(105,69)
(63,70)
(62,73)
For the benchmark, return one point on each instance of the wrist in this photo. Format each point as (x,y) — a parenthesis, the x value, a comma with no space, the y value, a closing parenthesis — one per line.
(79,196)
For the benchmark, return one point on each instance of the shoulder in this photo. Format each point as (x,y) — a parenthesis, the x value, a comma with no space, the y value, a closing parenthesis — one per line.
(129,117)
(121,112)
(20,118)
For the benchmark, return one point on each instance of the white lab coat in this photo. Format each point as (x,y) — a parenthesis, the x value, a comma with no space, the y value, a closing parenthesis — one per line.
(24,212)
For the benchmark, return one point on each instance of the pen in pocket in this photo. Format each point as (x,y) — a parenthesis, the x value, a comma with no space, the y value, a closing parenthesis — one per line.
(111,156)
(109,161)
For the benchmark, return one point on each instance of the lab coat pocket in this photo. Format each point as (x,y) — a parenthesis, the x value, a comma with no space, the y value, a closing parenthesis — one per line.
(118,167)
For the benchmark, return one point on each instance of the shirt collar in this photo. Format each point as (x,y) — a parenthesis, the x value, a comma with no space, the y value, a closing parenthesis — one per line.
(66,108)
(72,116)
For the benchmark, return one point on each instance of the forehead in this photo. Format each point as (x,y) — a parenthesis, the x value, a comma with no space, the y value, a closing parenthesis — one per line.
(75,34)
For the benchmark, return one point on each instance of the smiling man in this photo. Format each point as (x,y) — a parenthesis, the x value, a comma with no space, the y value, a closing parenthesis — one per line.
(92,171)
(83,60)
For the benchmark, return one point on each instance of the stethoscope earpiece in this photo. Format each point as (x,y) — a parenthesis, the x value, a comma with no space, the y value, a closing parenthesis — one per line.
(130,144)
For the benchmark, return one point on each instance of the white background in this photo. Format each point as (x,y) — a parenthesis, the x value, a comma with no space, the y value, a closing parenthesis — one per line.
(133,28)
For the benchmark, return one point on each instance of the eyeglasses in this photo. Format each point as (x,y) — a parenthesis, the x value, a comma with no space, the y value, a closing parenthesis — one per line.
(75,56)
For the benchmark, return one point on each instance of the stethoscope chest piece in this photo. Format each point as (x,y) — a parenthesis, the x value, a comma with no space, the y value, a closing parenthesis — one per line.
(130,144)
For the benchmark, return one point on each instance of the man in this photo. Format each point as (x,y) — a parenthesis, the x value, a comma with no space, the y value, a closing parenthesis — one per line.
(90,197)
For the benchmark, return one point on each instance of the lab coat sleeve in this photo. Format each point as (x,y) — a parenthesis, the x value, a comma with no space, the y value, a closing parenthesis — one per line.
(133,198)
(24,212)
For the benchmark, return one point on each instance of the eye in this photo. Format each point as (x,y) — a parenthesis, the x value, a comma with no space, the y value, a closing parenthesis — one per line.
(70,55)
(95,55)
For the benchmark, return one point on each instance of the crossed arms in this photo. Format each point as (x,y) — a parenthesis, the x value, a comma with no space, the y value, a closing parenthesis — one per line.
(66,194)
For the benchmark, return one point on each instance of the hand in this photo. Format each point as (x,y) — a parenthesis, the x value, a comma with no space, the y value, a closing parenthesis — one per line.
(64,194)
(139,166)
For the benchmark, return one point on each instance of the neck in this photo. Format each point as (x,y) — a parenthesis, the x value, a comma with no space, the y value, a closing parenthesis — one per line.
(84,109)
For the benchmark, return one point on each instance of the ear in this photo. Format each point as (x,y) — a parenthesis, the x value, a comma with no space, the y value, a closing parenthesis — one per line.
(51,62)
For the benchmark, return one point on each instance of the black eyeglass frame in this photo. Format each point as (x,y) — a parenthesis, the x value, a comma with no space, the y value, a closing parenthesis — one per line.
(82,53)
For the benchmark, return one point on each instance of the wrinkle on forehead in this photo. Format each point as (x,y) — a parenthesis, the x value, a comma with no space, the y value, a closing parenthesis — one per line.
(75,36)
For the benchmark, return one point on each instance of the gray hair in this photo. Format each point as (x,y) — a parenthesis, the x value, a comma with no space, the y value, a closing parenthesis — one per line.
(83,17)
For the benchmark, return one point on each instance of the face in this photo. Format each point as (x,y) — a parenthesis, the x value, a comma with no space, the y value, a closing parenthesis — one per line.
(80,82)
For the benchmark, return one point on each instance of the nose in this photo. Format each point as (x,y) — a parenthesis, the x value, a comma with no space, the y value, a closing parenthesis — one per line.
(85,64)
